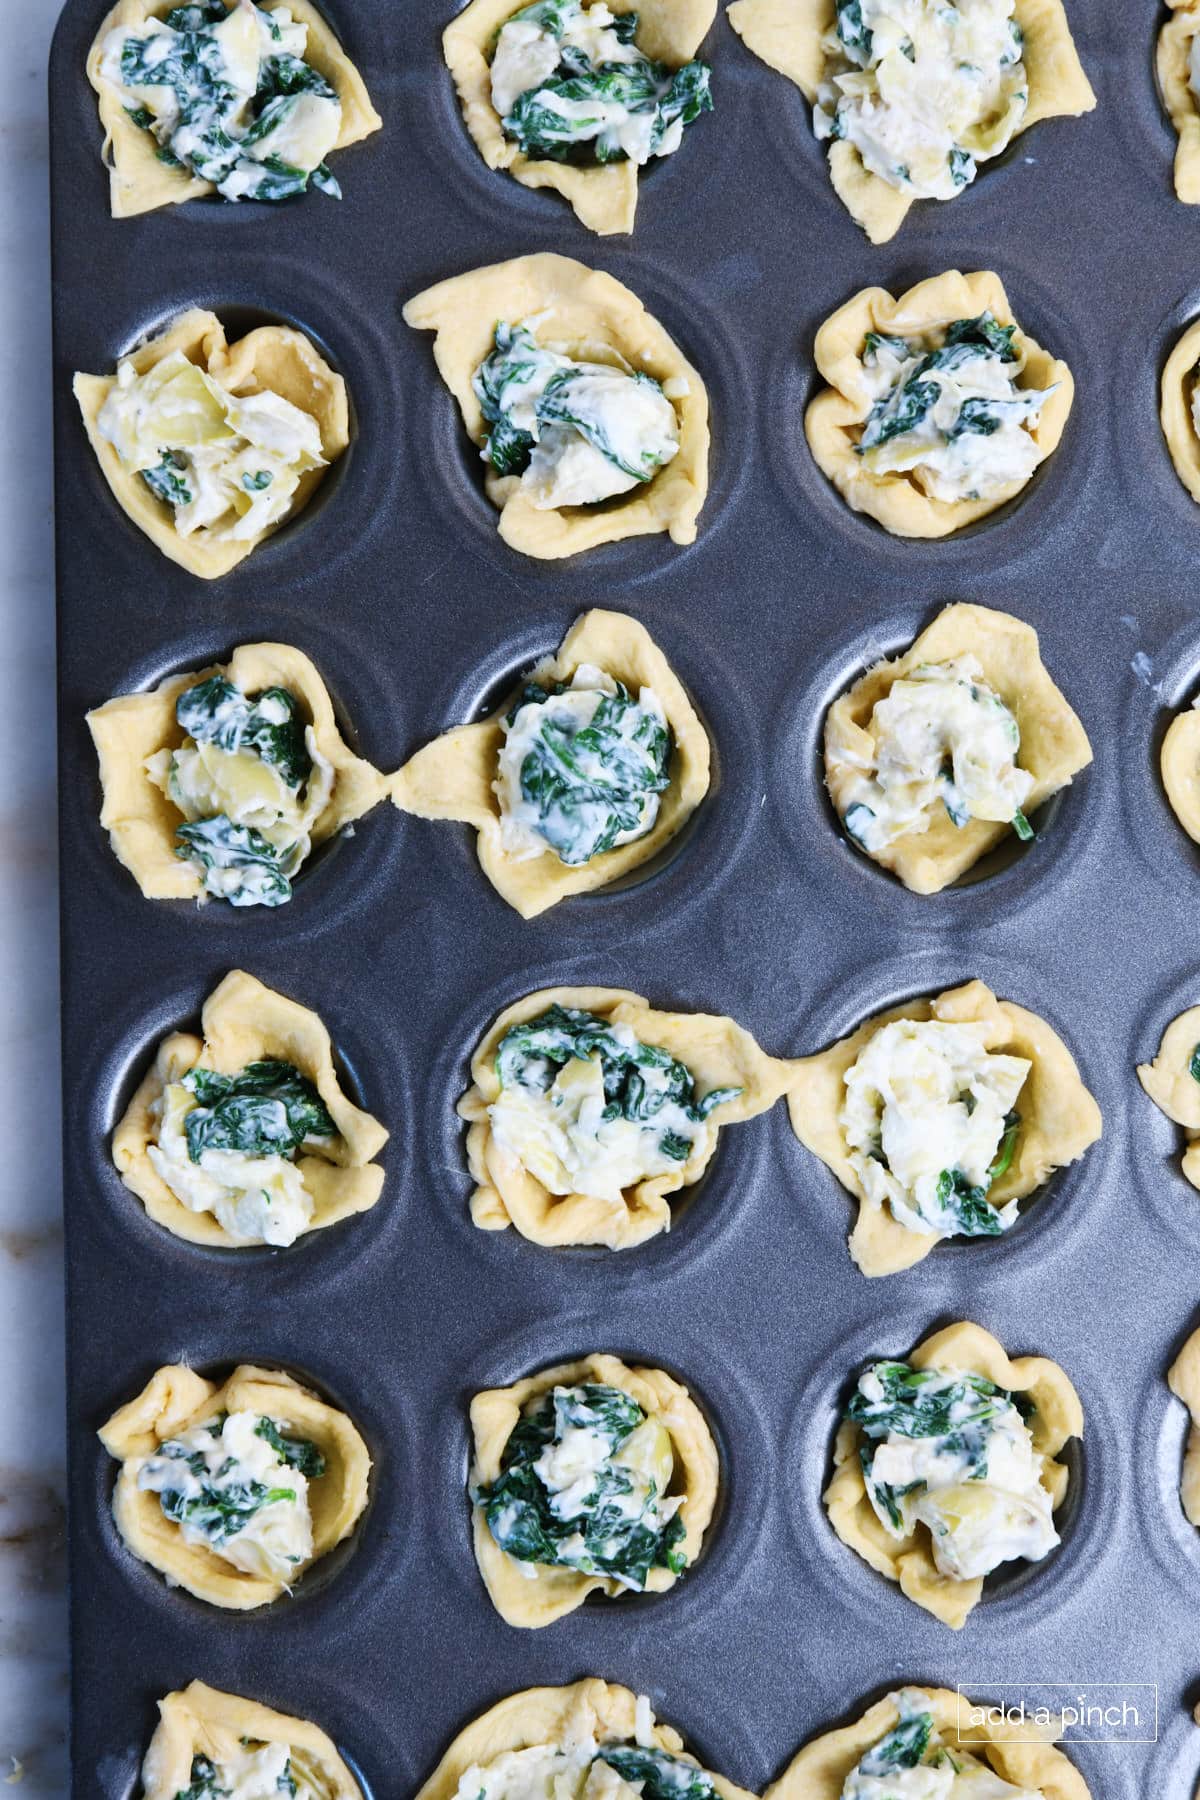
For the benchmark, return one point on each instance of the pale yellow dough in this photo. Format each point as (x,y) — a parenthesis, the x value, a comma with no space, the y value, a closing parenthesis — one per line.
(1059,1118)
(173,1401)
(141,821)
(245,1022)
(834,420)
(716,1051)
(1183,1379)
(1175,411)
(202,1721)
(555,1715)
(453,777)
(604,195)
(597,319)
(1054,745)
(272,359)
(909,1561)
(138,181)
(787,35)
(1172,62)
(1170,1084)
(553,1592)
(819,1771)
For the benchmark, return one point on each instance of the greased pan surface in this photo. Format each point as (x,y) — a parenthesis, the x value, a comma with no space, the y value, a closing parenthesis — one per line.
(395,582)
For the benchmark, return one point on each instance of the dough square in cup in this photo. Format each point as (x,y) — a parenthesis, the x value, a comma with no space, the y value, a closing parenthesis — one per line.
(835,418)
(603,195)
(199,1720)
(139,180)
(270,359)
(1054,745)
(454,776)
(140,820)
(598,319)
(715,1051)
(1056,1418)
(530,1595)
(244,1021)
(175,1400)
(788,34)
(1059,1117)
(1170,1083)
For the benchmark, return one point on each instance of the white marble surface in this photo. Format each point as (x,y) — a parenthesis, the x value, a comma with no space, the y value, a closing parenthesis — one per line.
(33,1657)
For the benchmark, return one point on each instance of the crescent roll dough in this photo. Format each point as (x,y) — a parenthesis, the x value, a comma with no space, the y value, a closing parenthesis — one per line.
(138,180)
(603,195)
(553,1592)
(453,777)
(835,417)
(1183,1379)
(244,1022)
(1059,1118)
(787,35)
(819,1771)
(1170,1083)
(716,1051)
(592,315)
(141,821)
(909,1561)
(1174,71)
(202,1721)
(173,1401)
(272,359)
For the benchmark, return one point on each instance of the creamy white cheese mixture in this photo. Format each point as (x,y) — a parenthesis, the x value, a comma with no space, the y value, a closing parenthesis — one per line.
(251,1771)
(229,97)
(582,1768)
(575,431)
(961,1462)
(581,771)
(229,1492)
(229,464)
(914,1762)
(941,738)
(926,1109)
(947,410)
(924,90)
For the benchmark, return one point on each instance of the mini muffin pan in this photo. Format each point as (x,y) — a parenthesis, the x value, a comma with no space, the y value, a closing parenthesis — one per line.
(395,582)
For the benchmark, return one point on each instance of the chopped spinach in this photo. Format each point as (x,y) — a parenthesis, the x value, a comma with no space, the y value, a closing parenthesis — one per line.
(927,1403)
(905,406)
(169,480)
(297,1453)
(216,712)
(902,1748)
(220,1513)
(203,1783)
(219,846)
(857,823)
(1022,827)
(856,37)
(973,1212)
(657,1774)
(1194,1064)
(268,1109)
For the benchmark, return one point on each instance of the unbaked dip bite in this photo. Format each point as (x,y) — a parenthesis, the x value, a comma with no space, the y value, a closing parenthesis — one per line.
(940,1116)
(222,97)
(1183,1379)
(590,768)
(931,1744)
(215,1746)
(219,783)
(589,1741)
(944,1466)
(209,447)
(243,1135)
(1178,66)
(591,423)
(233,1491)
(933,758)
(587,1108)
(939,407)
(591,1477)
(577,95)
(1172,1081)
(913,95)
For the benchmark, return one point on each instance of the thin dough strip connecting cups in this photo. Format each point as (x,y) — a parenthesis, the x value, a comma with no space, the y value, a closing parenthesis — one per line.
(454,777)
(199,1720)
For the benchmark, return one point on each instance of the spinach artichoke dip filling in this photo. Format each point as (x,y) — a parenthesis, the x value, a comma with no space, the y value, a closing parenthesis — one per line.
(930,1123)
(913,1762)
(951,1451)
(225,463)
(227,1145)
(586,1108)
(946,409)
(582,767)
(575,432)
(227,95)
(253,1771)
(582,1769)
(942,738)
(583,1485)
(924,90)
(250,783)
(238,1486)
(570,85)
